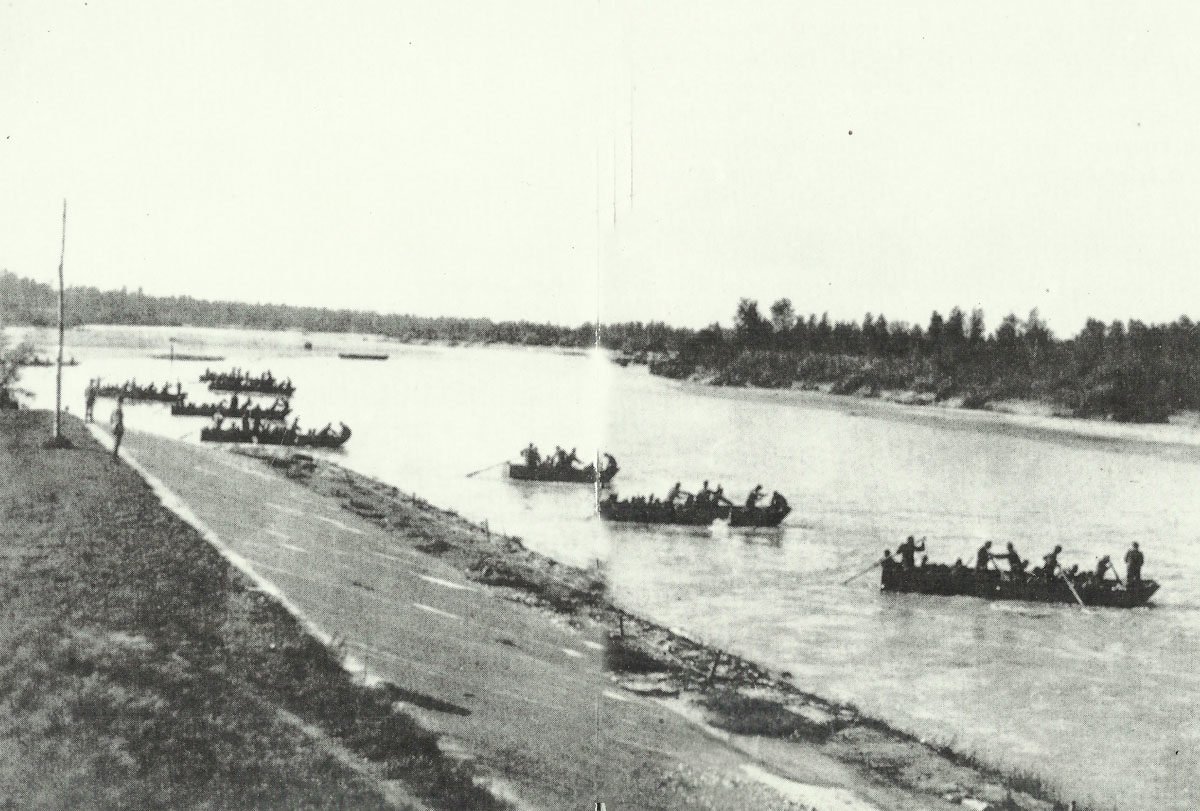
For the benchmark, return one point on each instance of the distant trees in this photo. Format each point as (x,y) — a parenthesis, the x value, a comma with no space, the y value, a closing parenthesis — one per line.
(1124,371)
(24,301)
(1128,372)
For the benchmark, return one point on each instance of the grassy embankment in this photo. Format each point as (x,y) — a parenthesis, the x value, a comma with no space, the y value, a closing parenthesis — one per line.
(142,671)
(728,691)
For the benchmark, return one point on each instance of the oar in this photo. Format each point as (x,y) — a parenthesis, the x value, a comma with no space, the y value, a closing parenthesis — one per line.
(482,469)
(864,571)
(1071,586)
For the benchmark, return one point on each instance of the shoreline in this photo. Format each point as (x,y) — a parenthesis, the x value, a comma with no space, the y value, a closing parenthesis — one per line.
(1176,441)
(729,697)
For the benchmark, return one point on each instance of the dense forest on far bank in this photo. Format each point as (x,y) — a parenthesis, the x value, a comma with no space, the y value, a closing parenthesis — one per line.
(1131,372)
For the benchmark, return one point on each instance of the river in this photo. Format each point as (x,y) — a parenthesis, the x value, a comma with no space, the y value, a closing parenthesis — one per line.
(1103,703)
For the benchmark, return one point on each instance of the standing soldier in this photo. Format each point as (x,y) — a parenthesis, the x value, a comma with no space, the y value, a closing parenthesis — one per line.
(983,557)
(1133,564)
(89,400)
(908,552)
(118,425)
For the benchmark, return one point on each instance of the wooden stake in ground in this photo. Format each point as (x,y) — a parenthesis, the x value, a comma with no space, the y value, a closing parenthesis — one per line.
(58,386)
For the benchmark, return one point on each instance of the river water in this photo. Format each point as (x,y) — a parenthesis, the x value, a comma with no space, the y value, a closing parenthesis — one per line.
(1104,703)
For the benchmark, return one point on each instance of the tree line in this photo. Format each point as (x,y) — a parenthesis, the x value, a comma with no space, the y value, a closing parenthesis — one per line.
(28,302)
(1128,371)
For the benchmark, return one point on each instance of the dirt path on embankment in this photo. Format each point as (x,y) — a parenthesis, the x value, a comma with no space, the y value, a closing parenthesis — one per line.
(528,671)
(141,670)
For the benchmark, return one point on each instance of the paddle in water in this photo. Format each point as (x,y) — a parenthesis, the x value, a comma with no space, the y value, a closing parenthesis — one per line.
(482,469)
(1071,586)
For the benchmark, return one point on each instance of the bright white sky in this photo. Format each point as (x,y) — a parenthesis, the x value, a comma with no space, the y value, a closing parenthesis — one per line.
(467,158)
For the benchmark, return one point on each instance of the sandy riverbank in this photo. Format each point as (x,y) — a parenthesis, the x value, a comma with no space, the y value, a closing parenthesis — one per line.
(761,713)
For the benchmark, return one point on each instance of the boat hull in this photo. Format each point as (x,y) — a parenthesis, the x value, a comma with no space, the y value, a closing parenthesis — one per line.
(755,516)
(658,513)
(274,438)
(585,475)
(138,395)
(692,515)
(251,387)
(946,581)
(213,409)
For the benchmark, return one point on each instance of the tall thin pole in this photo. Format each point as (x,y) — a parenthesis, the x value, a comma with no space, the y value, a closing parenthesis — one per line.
(58,387)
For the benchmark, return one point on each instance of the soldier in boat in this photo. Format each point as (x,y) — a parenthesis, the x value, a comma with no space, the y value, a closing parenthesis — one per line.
(674,493)
(887,562)
(530,454)
(755,496)
(908,552)
(778,502)
(1102,567)
(983,557)
(718,496)
(1050,563)
(571,459)
(1133,564)
(1016,566)
(703,495)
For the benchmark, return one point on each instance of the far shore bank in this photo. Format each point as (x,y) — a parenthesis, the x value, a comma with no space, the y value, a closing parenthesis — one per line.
(1178,440)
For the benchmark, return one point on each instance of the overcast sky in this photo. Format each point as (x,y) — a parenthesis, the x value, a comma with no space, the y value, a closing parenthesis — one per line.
(497,159)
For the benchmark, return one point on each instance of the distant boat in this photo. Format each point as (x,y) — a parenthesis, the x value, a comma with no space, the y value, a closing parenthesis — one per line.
(45,362)
(178,356)
(360,356)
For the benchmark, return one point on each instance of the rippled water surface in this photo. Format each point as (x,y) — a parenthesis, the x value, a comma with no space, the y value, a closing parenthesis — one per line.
(1105,703)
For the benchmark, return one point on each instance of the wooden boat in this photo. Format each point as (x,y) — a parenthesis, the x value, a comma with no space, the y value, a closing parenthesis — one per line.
(44,362)
(213,409)
(660,512)
(252,385)
(139,394)
(767,516)
(689,513)
(360,356)
(568,475)
(180,356)
(992,585)
(267,437)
